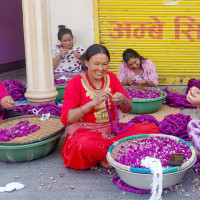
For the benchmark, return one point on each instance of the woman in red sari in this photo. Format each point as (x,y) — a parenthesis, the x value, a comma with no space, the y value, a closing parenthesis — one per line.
(84,109)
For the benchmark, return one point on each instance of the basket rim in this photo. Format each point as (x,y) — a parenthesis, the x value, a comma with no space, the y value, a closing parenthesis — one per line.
(167,170)
(149,100)
(29,145)
(61,86)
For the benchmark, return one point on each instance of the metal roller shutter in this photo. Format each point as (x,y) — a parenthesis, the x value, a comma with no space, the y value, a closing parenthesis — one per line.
(165,31)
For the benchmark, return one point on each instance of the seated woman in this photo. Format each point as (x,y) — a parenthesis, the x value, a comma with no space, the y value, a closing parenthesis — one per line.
(134,69)
(89,135)
(6,103)
(67,56)
(193,96)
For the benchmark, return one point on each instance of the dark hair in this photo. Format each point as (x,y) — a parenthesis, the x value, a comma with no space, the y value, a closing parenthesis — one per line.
(62,31)
(95,49)
(130,53)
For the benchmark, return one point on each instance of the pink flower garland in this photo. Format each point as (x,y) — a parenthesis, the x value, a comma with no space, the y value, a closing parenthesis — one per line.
(177,100)
(193,82)
(174,124)
(44,108)
(15,89)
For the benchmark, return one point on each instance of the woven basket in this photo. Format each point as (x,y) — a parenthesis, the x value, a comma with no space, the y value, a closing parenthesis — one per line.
(57,76)
(48,129)
(142,88)
(148,171)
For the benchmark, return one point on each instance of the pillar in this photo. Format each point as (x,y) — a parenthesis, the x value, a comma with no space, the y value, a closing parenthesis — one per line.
(39,65)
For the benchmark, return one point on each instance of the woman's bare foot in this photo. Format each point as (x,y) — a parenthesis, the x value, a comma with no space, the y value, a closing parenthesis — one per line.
(105,165)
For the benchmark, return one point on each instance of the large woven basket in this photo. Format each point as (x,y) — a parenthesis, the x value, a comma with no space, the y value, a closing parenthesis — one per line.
(142,178)
(35,145)
(48,128)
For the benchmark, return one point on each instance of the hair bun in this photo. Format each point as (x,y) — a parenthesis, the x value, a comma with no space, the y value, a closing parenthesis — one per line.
(61,27)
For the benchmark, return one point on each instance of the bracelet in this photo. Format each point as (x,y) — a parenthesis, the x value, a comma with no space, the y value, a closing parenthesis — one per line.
(125,105)
(81,109)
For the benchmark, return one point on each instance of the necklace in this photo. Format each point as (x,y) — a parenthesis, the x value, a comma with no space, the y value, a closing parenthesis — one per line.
(91,84)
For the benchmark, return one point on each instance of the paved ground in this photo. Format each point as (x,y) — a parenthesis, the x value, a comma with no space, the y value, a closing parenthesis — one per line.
(48,179)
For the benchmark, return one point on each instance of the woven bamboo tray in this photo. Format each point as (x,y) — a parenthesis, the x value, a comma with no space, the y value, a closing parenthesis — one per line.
(142,88)
(48,129)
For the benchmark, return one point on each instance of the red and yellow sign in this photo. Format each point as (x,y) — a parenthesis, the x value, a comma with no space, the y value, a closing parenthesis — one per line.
(166,32)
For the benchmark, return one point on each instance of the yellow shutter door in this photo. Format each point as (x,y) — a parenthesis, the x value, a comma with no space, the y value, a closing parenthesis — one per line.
(165,31)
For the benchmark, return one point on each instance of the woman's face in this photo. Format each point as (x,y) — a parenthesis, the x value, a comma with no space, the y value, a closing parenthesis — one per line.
(67,41)
(133,63)
(97,66)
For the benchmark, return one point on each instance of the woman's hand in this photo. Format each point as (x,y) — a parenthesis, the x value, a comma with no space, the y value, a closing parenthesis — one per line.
(193,96)
(63,52)
(143,82)
(118,98)
(130,80)
(101,97)
(7,102)
(77,55)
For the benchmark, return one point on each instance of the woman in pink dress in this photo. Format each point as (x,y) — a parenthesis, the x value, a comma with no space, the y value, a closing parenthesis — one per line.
(136,70)
(193,96)
(6,104)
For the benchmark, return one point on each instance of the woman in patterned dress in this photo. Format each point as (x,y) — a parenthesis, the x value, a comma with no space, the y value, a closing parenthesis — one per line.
(193,96)
(67,56)
(84,109)
(134,69)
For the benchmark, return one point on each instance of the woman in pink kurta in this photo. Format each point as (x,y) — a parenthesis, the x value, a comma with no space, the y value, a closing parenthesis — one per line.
(6,103)
(134,69)
(84,109)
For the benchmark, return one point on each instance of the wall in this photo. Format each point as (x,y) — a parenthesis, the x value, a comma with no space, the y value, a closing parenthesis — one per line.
(76,15)
(11,31)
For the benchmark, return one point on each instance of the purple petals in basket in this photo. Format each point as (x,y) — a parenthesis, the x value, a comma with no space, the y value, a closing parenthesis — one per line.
(19,130)
(142,94)
(131,152)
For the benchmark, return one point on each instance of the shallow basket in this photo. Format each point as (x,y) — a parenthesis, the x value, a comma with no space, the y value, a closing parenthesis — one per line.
(145,106)
(142,178)
(35,145)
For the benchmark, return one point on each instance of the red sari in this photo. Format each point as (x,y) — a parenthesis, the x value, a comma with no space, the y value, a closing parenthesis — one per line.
(88,141)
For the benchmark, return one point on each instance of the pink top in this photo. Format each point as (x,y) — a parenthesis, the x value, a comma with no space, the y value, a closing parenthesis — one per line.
(3,93)
(149,72)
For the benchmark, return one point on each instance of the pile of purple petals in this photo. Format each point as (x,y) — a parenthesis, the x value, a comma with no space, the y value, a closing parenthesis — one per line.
(44,108)
(61,81)
(131,152)
(15,89)
(142,94)
(19,130)
(193,82)
(177,100)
